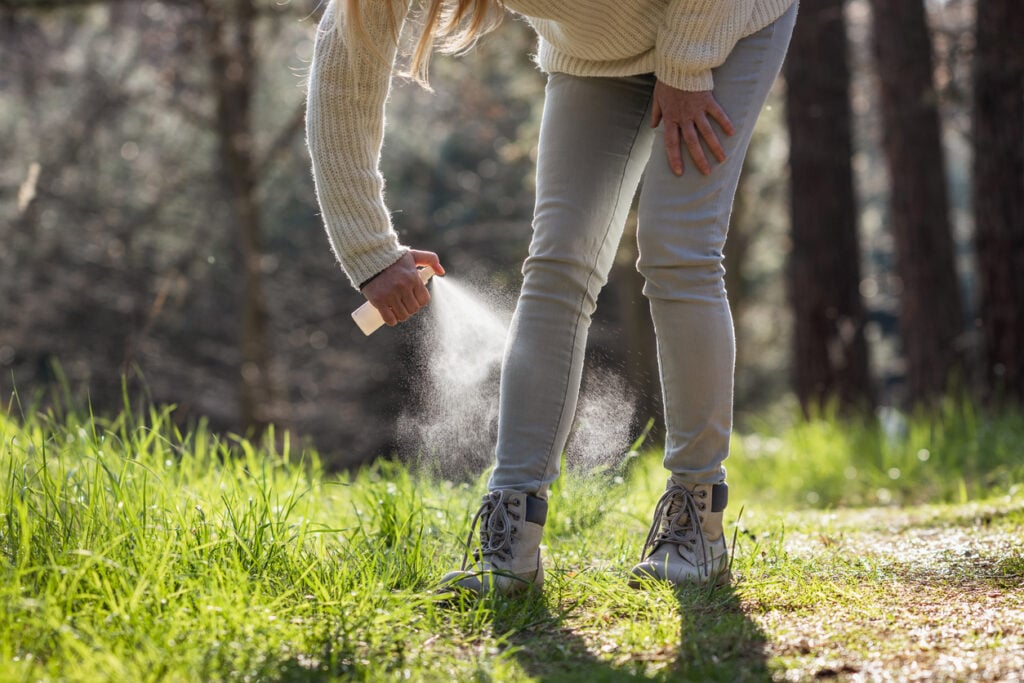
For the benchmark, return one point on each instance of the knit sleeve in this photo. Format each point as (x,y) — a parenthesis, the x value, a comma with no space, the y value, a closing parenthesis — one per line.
(696,37)
(348,88)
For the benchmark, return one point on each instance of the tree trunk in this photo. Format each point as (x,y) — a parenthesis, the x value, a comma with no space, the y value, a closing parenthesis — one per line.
(931,314)
(830,360)
(233,68)
(999,191)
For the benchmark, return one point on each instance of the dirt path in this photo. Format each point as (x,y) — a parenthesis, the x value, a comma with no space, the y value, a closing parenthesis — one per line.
(934,593)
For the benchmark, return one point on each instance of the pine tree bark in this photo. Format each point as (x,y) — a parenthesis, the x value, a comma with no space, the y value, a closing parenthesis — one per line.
(931,313)
(999,191)
(231,27)
(830,360)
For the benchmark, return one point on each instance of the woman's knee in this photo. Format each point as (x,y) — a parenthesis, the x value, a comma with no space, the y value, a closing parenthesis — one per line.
(568,282)
(695,280)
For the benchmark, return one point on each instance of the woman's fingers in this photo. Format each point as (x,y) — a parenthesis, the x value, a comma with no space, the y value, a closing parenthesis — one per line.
(718,114)
(706,132)
(421,296)
(410,300)
(686,116)
(655,113)
(692,141)
(397,291)
(427,258)
(387,313)
(673,148)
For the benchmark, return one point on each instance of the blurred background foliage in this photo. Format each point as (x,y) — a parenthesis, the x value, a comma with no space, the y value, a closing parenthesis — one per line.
(158,221)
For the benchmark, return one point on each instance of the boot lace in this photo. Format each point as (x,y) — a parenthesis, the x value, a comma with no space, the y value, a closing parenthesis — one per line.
(496,530)
(677,520)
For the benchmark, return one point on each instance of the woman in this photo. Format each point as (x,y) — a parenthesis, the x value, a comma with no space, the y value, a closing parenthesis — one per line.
(636,88)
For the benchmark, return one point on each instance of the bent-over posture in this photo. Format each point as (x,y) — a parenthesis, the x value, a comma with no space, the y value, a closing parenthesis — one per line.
(667,91)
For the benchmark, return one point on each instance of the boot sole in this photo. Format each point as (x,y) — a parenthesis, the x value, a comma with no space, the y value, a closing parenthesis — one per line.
(486,583)
(723,578)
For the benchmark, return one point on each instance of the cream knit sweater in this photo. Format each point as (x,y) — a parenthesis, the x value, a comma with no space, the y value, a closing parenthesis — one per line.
(680,41)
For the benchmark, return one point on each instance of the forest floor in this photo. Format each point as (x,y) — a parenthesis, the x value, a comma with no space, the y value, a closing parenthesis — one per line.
(133,550)
(931,593)
(924,593)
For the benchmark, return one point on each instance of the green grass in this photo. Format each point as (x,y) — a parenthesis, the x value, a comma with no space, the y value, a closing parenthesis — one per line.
(955,453)
(133,550)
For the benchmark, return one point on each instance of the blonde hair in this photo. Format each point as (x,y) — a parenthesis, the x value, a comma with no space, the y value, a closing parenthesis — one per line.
(451,26)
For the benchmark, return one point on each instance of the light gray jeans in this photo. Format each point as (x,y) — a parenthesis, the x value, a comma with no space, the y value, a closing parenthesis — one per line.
(595,145)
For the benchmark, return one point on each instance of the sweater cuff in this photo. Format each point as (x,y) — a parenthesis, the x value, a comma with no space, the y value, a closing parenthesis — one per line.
(676,76)
(361,268)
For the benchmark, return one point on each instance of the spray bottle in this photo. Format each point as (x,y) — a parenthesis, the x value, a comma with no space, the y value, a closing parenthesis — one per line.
(368,317)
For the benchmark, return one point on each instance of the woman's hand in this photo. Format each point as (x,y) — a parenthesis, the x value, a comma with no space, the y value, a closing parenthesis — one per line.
(397,291)
(686,116)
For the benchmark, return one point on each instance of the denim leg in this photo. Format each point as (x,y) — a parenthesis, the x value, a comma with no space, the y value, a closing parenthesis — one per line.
(595,139)
(683,222)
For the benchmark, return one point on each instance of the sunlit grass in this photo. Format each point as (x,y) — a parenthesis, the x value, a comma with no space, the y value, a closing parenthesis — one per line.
(134,549)
(952,454)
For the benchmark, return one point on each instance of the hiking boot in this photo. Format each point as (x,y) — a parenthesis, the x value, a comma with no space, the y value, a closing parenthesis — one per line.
(686,543)
(508,559)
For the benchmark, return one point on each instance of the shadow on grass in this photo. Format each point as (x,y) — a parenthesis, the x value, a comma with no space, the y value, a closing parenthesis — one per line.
(717,641)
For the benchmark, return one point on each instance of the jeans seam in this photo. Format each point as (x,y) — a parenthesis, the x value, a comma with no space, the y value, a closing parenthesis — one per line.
(590,277)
